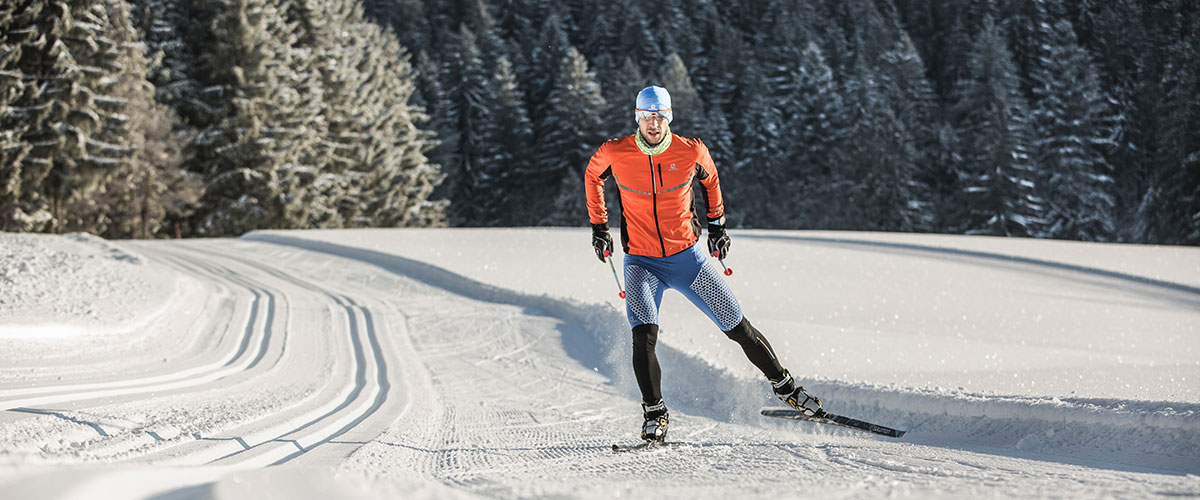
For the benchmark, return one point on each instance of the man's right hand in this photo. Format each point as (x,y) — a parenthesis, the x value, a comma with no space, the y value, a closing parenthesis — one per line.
(601,241)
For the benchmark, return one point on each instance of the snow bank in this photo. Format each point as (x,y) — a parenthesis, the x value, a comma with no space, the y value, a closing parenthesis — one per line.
(57,286)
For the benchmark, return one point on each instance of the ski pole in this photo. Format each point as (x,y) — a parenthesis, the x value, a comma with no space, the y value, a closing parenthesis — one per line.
(728,271)
(612,266)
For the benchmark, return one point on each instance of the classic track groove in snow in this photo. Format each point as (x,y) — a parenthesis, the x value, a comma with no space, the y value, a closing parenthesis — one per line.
(448,364)
(258,443)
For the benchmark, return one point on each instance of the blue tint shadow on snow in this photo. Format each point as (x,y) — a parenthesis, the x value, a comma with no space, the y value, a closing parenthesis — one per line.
(689,384)
(993,257)
(1113,434)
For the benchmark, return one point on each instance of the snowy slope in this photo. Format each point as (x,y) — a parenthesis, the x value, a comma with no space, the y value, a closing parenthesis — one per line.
(493,363)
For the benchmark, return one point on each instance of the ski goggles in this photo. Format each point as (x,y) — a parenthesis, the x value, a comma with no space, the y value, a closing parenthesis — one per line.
(664,114)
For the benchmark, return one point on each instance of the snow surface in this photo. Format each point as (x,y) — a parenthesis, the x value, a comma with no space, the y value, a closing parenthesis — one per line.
(493,363)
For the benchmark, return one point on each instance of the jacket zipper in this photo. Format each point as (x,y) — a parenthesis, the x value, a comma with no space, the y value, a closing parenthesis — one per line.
(654,197)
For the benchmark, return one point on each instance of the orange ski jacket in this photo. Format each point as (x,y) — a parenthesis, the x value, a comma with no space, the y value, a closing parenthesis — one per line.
(657,214)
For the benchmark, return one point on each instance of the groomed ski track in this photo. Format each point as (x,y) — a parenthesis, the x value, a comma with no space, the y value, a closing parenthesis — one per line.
(296,352)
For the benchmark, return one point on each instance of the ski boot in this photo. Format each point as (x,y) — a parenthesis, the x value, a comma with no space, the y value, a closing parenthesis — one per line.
(796,397)
(655,427)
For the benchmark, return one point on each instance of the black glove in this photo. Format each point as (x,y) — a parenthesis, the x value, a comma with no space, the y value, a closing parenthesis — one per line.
(601,241)
(718,241)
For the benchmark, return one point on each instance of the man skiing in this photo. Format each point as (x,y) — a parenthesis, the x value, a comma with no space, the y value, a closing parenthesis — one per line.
(660,230)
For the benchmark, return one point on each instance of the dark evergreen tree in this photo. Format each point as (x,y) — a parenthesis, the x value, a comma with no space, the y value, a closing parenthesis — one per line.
(1123,51)
(810,194)
(372,168)
(718,74)
(509,165)
(545,57)
(56,114)
(915,107)
(492,47)
(758,127)
(1174,201)
(256,155)
(132,152)
(997,177)
(473,97)
(567,135)
(621,93)
(1072,125)
(881,161)
(432,96)
(17,31)
(408,19)
(687,109)
(842,114)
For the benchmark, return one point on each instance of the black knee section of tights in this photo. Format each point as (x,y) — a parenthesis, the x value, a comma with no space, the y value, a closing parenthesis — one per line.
(645,362)
(757,349)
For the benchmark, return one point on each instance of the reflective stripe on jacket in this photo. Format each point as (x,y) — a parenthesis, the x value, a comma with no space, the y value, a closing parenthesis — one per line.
(657,214)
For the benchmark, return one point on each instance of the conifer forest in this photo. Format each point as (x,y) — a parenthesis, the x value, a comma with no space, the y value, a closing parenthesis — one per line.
(1067,119)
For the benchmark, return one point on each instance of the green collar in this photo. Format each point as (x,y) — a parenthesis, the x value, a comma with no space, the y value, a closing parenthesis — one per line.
(655,149)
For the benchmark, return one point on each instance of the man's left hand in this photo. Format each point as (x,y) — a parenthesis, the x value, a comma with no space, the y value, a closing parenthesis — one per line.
(718,241)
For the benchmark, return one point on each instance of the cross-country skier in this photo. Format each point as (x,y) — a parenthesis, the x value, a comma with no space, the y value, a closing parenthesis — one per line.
(660,231)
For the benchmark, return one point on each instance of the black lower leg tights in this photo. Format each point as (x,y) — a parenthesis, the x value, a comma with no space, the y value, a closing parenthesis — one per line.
(756,348)
(645,363)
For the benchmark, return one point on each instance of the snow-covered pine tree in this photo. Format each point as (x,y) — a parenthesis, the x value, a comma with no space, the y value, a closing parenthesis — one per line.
(545,58)
(512,139)
(1175,216)
(687,108)
(396,180)
(997,177)
(571,130)
(641,39)
(683,41)
(953,64)
(621,95)
(810,192)
(915,107)
(106,199)
(1122,50)
(16,28)
(783,38)
(408,19)
(64,63)
(256,156)
(492,45)
(144,182)
(758,126)
(724,60)
(882,159)
(432,96)
(1073,128)
(369,161)
(518,21)
(472,200)
(168,31)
